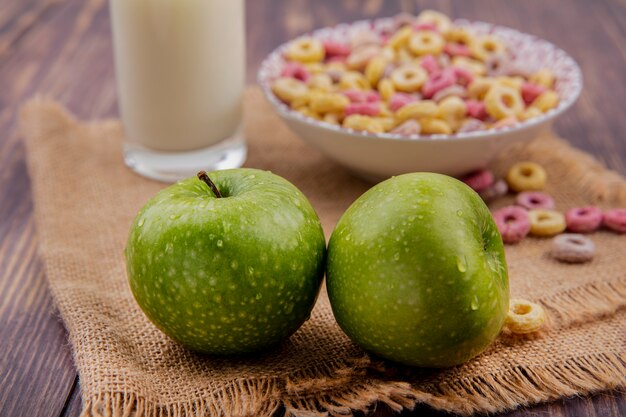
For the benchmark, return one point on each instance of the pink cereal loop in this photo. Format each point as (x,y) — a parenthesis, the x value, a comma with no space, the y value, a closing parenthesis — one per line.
(531,91)
(583,219)
(296,70)
(439,81)
(476,109)
(615,220)
(425,26)
(367,109)
(430,64)
(399,100)
(360,96)
(479,180)
(335,48)
(457,49)
(463,76)
(532,200)
(513,223)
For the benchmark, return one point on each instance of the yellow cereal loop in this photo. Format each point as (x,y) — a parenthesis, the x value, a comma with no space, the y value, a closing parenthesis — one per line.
(375,70)
(329,103)
(440,20)
(451,108)
(366,123)
(483,46)
(426,42)
(408,78)
(386,89)
(432,126)
(417,110)
(388,53)
(307,112)
(529,113)
(353,80)
(546,101)
(544,77)
(289,89)
(305,50)
(321,82)
(479,87)
(400,38)
(502,102)
(546,222)
(472,65)
(513,82)
(459,35)
(388,123)
(332,118)
(524,316)
(359,58)
(526,176)
(315,67)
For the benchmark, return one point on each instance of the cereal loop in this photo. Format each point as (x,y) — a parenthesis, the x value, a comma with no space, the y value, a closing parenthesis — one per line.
(386,89)
(615,220)
(546,222)
(363,123)
(432,126)
(546,101)
(305,50)
(476,67)
(502,102)
(479,87)
(531,91)
(496,190)
(513,223)
(438,19)
(367,109)
(375,69)
(479,180)
(583,219)
(401,38)
(476,109)
(532,200)
(426,42)
(417,110)
(543,77)
(321,82)
(408,128)
(471,125)
(526,176)
(289,89)
(524,316)
(359,58)
(329,103)
(439,81)
(484,46)
(408,78)
(399,100)
(353,80)
(452,110)
(573,248)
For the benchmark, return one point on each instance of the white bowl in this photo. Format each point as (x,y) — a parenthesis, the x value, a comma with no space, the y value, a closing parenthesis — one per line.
(379,156)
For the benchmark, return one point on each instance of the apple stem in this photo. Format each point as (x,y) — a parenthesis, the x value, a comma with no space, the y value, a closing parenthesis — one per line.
(204,177)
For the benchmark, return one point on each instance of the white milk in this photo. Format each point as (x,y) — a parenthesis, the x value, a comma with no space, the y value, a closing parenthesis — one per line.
(180,67)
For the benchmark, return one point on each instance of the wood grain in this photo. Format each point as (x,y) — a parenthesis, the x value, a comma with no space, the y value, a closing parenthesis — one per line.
(62,48)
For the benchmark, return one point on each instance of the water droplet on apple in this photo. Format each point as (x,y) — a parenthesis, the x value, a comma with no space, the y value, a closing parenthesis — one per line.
(459,213)
(234,264)
(174,216)
(396,257)
(140,223)
(258,296)
(220,243)
(474,304)
(250,177)
(461,263)
(420,216)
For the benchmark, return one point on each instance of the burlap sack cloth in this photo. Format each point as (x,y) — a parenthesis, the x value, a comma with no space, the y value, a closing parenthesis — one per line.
(85,199)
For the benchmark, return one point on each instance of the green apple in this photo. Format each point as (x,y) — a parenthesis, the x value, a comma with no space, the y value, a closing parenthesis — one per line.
(416,271)
(229,262)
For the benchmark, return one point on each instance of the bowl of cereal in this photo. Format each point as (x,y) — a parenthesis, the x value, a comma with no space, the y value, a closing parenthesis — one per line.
(403,94)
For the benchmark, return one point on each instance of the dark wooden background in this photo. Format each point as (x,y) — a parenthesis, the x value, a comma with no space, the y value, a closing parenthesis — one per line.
(62,48)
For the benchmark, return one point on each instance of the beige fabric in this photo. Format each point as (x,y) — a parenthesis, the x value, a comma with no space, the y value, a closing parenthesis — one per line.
(85,199)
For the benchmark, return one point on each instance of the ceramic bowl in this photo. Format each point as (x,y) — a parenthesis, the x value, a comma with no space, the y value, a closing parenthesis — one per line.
(379,156)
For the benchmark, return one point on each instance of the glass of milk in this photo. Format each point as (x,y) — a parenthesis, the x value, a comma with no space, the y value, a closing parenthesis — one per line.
(180,69)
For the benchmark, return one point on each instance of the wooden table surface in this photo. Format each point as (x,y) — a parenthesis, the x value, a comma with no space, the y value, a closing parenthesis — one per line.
(62,48)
